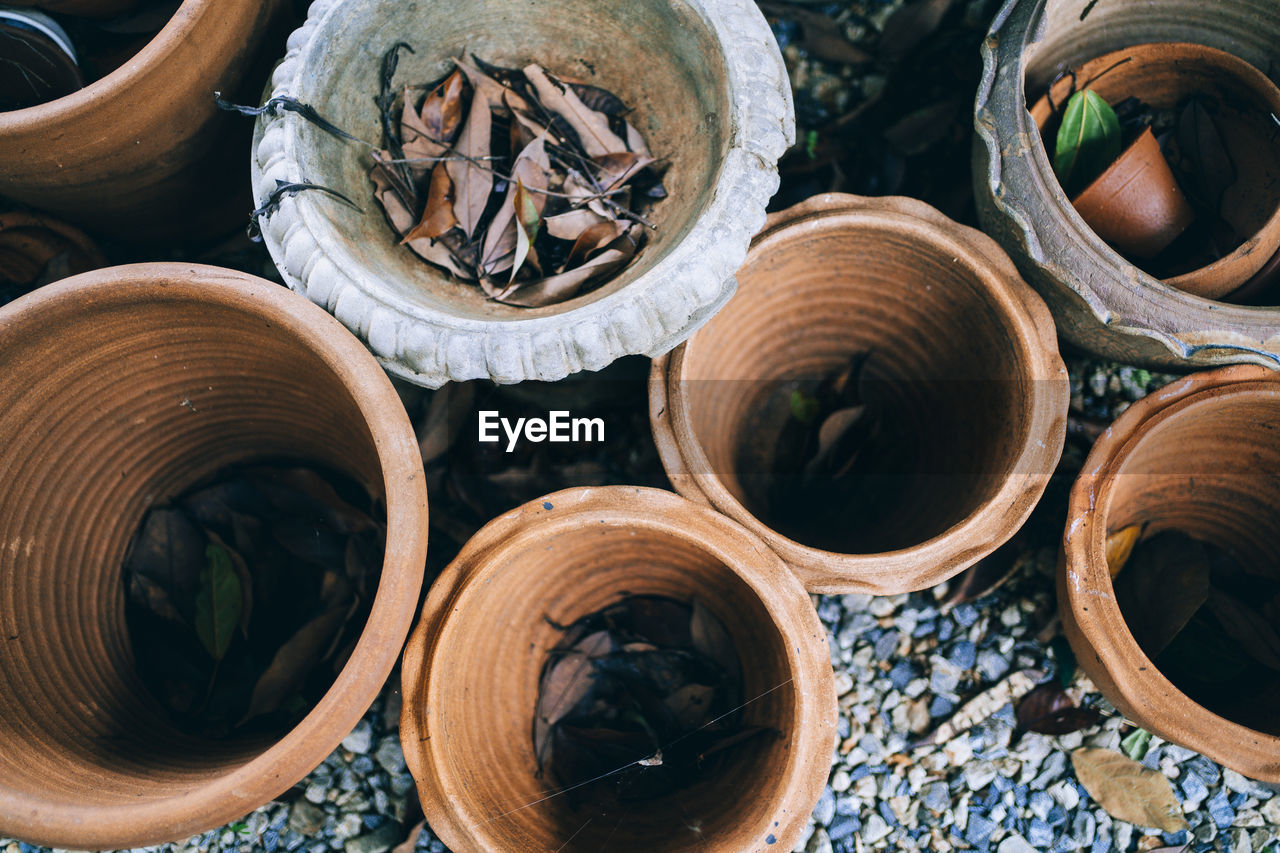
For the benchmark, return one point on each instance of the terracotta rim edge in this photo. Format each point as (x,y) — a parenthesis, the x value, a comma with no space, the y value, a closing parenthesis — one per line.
(1086,600)
(745,556)
(308,743)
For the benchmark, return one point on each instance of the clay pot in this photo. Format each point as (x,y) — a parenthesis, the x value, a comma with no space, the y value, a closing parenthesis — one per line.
(1136,204)
(1101,302)
(472,666)
(143,153)
(30,243)
(709,93)
(1165,75)
(121,388)
(1199,457)
(964,358)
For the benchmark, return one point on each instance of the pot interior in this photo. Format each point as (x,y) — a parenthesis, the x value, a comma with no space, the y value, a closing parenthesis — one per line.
(105,411)
(944,371)
(488,660)
(659,57)
(1212,472)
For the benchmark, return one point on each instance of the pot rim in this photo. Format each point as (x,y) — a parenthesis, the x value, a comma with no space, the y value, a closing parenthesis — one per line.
(655,510)
(990,523)
(307,744)
(650,315)
(171,38)
(1219,332)
(1086,591)
(31,219)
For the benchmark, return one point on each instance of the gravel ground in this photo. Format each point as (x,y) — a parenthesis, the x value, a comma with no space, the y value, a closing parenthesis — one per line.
(903,665)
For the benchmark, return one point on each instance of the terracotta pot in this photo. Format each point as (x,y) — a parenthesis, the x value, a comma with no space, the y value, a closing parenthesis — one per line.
(143,154)
(1136,204)
(710,95)
(29,242)
(1164,75)
(1200,457)
(121,388)
(1101,302)
(964,355)
(472,667)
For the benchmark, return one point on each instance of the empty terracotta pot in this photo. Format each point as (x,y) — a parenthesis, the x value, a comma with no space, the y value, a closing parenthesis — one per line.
(1243,99)
(471,674)
(709,93)
(32,246)
(963,363)
(1136,204)
(119,389)
(1101,302)
(143,154)
(1200,457)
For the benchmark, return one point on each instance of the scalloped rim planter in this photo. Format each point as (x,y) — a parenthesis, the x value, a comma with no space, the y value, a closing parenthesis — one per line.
(138,153)
(1100,301)
(987,525)
(775,612)
(122,387)
(1086,602)
(653,310)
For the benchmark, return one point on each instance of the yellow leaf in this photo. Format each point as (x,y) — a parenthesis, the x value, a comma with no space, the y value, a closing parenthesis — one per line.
(1120,547)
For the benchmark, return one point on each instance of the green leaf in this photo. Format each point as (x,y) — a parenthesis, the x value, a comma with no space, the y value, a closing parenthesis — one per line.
(1135,745)
(1088,141)
(804,407)
(218,603)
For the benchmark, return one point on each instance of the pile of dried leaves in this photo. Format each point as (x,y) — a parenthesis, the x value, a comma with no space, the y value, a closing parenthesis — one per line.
(1207,621)
(532,186)
(825,451)
(642,692)
(246,596)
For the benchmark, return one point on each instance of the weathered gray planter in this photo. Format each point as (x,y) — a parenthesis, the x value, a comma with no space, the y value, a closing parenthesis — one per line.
(1100,301)
(710,94)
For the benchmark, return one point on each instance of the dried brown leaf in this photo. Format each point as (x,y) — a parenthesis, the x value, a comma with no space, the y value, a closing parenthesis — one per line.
(570,224)
(150,596)
(410,842)
(711,638)
(1127,790)
(1247,626)
(691,705)
(558,288)
(393,204)
(293,661)
(1165,583)
(437,216)
(442,109)
(532,168)
(1120,547)
(617,169)
(526,222)
(592,127)
(417,140)
(1051,710)
(472,180)
(501,98)
(592,239)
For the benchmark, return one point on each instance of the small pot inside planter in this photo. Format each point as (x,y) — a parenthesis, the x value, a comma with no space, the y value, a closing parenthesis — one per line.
(1214,113)
(1198,459)
(121,389)
(963,390)
(473,668)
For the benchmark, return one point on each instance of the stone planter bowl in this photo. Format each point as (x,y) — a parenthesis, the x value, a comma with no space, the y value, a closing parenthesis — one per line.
(1100,301)
(1200,457)
(472,668)
(709,93)
(143,154)
(121,388)
(963,354)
